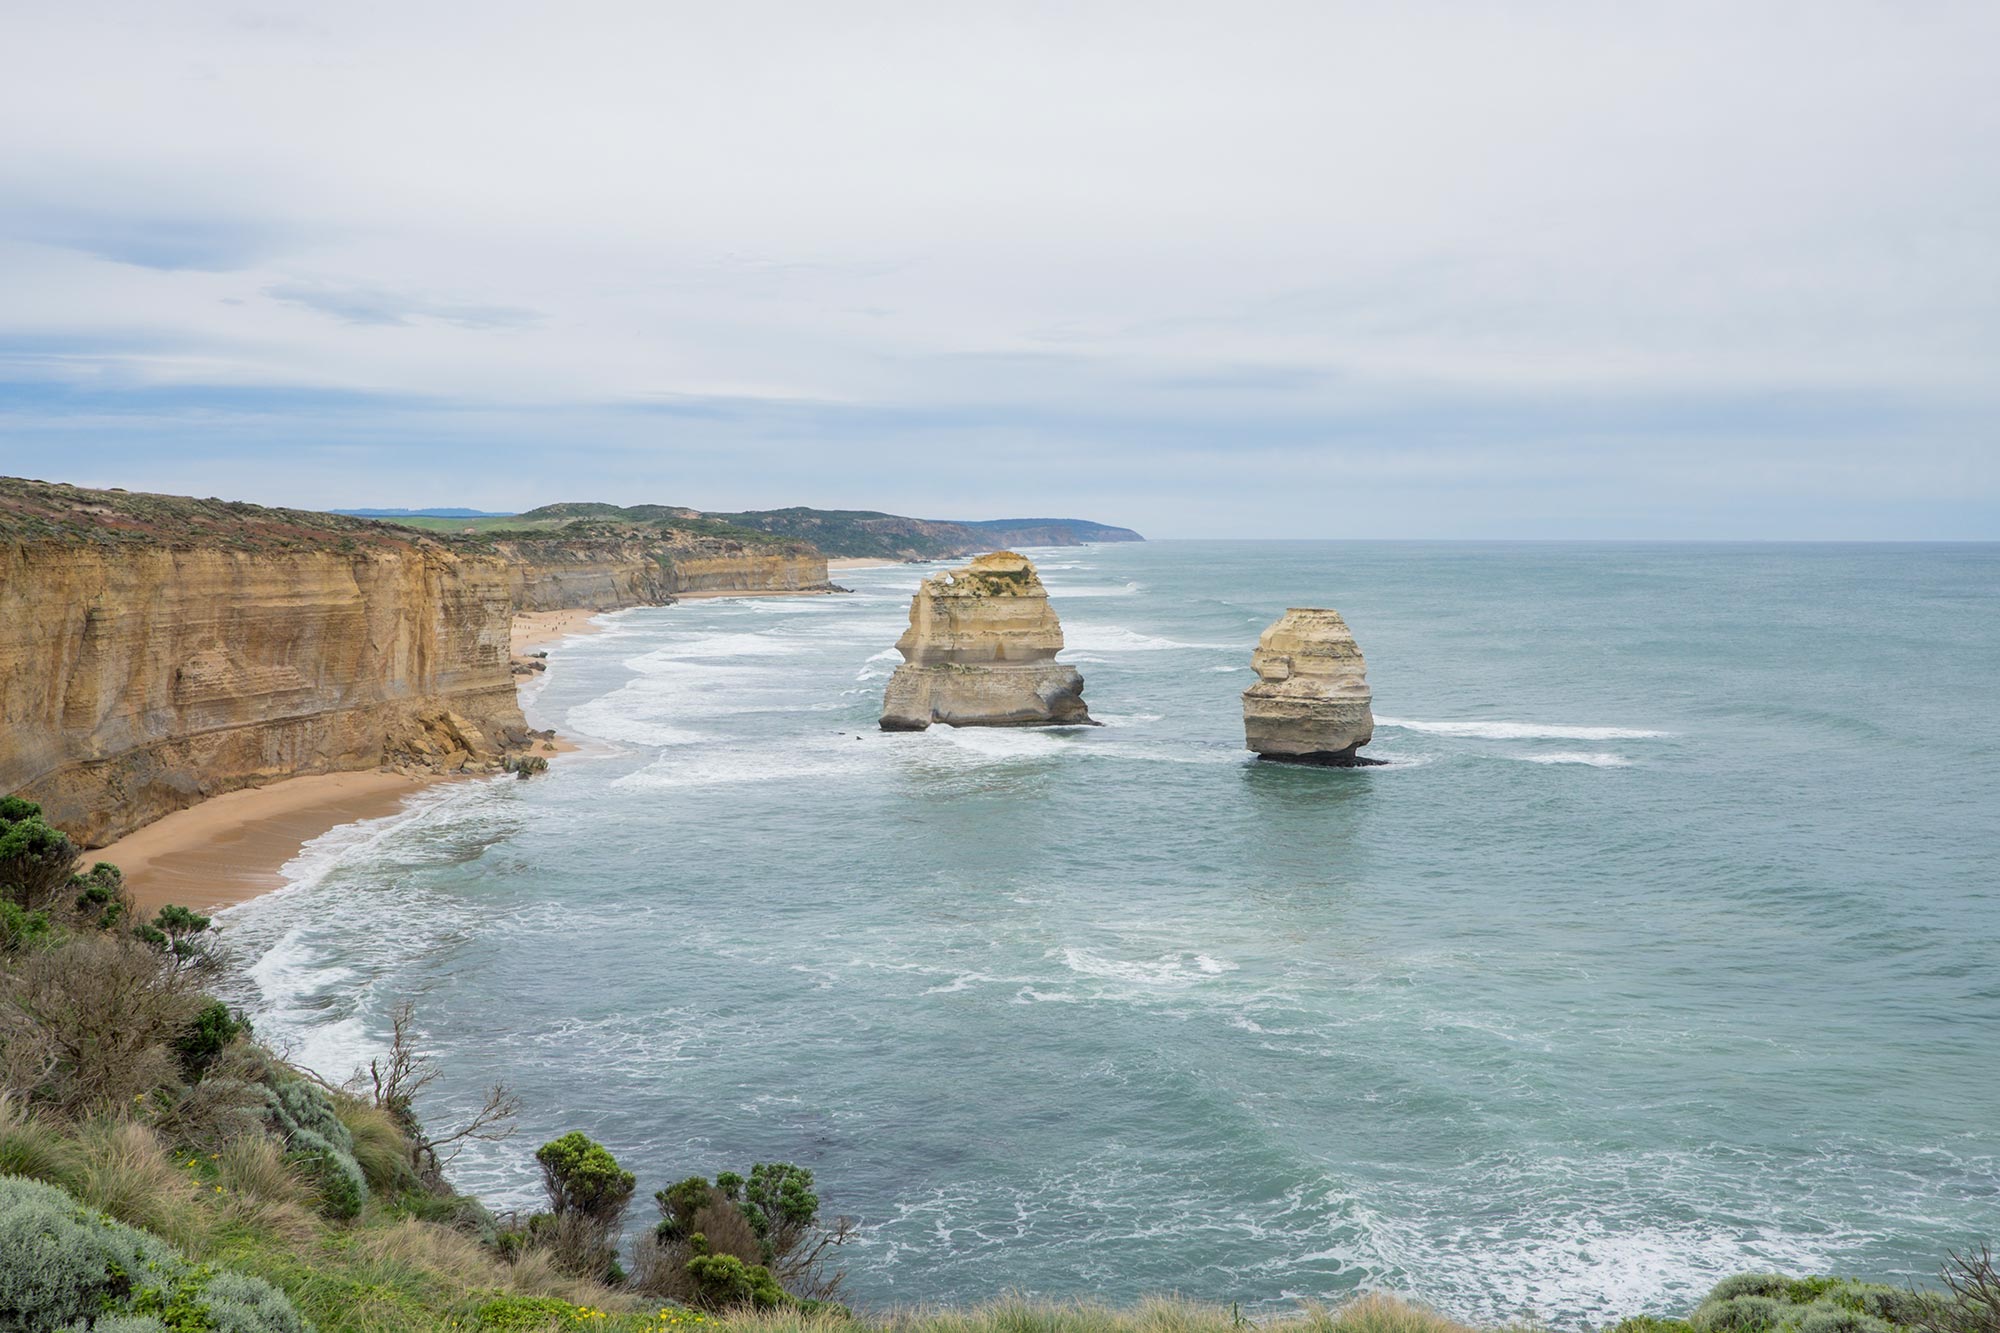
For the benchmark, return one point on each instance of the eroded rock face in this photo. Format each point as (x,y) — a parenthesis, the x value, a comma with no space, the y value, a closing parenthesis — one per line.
(1310,704)
(980,652)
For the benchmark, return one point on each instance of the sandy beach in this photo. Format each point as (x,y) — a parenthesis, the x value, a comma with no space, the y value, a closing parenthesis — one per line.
(231,847)
(539,629)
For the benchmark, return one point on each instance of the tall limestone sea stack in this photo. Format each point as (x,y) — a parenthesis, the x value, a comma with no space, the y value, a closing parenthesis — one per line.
(1310,704)
(980,652)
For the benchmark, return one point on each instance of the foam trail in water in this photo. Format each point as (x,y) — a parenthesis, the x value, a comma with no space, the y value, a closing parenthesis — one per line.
(1576,757)
(1521,731)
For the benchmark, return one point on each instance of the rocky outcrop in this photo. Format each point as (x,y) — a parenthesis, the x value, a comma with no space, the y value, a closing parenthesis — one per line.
(980,652)
(158,650)
(1310,704)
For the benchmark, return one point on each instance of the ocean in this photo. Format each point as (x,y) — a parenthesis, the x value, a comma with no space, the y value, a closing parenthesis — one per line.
(1666,945)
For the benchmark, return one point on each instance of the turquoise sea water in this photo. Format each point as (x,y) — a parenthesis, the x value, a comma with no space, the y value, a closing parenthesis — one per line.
(1667,946)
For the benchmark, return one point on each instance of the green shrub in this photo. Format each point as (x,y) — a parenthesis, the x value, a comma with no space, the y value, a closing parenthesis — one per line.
(722,1281)
(679,1203)
(520,1314)
(21,929)
(581,1176)
(1773,1285)
(1646,1323)
(1740,1314)
(780,1196)
(62,1264)
(212,1028)
(36,860)
(320,1144)
(769,1222)
(1826,1317)
(100,896)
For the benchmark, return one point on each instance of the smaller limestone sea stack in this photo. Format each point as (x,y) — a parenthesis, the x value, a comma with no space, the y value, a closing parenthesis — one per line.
(1310,704)
(980,652)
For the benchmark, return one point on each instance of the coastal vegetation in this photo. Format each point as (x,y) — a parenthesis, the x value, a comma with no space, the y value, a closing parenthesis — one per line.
(161,1171)
(854,533)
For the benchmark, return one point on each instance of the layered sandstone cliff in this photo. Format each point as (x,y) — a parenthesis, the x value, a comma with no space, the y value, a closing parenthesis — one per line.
(980,651)
(157,650)
(607,573)
(1311,702)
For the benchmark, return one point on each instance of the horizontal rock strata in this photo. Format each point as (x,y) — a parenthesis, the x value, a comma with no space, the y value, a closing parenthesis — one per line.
(158,650)
(1311,702)
(980,652)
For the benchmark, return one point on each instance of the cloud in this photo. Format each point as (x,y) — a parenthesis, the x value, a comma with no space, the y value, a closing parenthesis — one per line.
(1559,253)
(165,242)
(362,305)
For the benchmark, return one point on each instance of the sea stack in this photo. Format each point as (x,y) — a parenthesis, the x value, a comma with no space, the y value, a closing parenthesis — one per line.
(980,652)
(1310,704)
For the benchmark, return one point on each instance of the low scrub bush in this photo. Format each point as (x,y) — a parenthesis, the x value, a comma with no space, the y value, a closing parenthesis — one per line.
(90,1023)
(66,1265)
(588,1192)
(37,861)
(736,1240)
(205,1036)
(303,1113)
(1774,1303)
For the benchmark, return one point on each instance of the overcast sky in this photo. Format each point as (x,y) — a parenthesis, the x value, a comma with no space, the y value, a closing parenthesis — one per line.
(1226,269)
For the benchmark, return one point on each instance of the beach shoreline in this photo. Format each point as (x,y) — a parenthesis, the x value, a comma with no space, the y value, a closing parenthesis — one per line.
(233,847)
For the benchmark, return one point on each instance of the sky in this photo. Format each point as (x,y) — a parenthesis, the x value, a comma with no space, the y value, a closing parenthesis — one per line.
(1454,270)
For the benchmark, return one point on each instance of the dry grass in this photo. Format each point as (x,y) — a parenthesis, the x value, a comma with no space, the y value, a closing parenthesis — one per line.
(1369,1313)
(380,1146)
(127,1172)
(31,1147)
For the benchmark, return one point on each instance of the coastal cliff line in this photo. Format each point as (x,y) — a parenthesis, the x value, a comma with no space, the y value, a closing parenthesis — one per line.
(159,650)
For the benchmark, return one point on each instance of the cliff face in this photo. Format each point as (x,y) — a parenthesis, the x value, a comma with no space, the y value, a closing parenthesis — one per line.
(135,682)
(980,651)
(605,574)
(1311,703)
(157,650)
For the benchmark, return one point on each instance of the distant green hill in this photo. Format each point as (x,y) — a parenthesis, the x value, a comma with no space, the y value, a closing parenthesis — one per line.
(862,532)
(854,533)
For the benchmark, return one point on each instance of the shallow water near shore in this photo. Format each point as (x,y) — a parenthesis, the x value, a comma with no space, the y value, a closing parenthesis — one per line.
(1665,947)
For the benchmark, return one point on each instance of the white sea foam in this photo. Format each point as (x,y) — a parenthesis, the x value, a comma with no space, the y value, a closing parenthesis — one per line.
(1120,639)
(1521,731)
(608,719)
(1576,757)
(712,766)
(1058,592)
(1167,970)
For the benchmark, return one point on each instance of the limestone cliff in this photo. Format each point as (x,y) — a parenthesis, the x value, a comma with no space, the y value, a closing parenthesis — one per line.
(980,651)
(610,572)
(157,650)
(1311,702)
